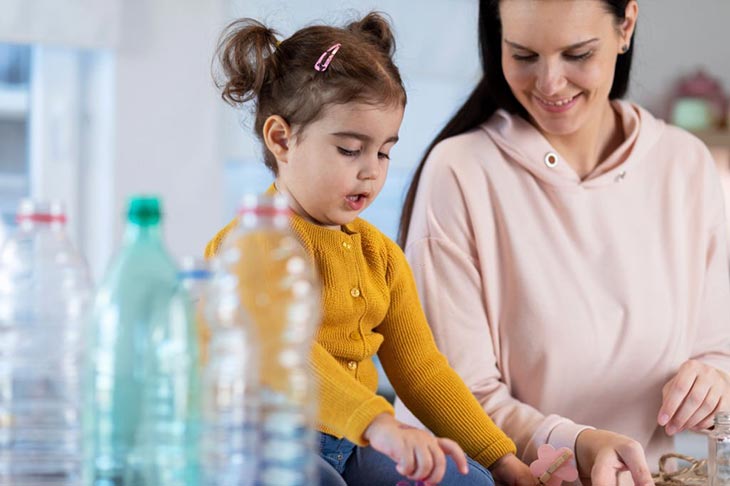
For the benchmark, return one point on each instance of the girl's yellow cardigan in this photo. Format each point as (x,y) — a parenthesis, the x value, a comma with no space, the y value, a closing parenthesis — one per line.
(371,306)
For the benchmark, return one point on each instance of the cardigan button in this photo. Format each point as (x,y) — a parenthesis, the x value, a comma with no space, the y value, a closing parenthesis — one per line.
(354,335)
(352,365)
(355,292)
(347,245)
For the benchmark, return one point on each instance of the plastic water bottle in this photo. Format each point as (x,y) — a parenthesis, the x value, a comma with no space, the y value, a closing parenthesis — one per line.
(143,391)
(195,277)
(718,458)
(280,291)
(229,376)
(230,386)
(44,292)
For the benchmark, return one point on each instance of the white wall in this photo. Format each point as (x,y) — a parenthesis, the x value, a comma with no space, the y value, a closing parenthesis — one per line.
(165,126)
(79,23)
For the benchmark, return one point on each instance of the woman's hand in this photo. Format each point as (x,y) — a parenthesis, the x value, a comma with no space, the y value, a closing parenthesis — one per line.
(510,471)
(691,399)
(601,455)
(419,455)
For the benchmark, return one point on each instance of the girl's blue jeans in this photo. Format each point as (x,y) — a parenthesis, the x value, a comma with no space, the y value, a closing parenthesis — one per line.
(345,464)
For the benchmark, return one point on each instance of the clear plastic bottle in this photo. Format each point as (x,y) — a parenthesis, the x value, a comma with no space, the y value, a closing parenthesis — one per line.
(195,277)
(44,293)
(280,291)
(230,386)
(718,458)
(143,390)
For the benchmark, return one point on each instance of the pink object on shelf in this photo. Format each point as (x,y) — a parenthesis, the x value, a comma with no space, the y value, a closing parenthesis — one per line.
(700,85)
(552,467)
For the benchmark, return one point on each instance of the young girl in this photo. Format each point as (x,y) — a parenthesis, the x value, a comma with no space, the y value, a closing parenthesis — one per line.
(329,104)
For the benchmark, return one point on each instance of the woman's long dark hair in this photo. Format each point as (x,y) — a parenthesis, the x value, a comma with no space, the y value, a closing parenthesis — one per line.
(493,92)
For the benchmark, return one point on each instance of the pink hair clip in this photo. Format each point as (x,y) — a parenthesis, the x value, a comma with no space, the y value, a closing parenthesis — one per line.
(552,467)
(319,66)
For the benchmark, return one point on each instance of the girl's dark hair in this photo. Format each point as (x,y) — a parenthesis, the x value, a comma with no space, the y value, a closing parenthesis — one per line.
(493,92)
(280,78)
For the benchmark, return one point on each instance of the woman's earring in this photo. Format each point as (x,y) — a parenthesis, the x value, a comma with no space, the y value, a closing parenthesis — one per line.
(624,48)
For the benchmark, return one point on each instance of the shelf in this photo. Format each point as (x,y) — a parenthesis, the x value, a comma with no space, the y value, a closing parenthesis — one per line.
(715,138)
(13,102)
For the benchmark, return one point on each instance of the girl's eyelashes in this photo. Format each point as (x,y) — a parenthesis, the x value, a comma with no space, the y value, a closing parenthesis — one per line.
(355,153)
(348,153)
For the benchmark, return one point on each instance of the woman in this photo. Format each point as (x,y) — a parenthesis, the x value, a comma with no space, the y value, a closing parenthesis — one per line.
(570,248)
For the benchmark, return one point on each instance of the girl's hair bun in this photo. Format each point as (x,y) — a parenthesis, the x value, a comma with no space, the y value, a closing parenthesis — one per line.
(245,57)
(376,29)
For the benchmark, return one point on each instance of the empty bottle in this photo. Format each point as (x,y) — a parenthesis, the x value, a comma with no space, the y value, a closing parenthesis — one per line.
(718,458)
(280,292)
(44,292)
(195,277)
(230,386)
(143,413)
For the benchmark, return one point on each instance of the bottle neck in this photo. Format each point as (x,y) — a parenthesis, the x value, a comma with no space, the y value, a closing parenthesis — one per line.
(40,215)
(136,233)
(264,221)
(36,217)
(263,211)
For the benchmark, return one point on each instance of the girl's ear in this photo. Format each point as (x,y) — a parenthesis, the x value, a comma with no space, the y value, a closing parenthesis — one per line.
(277,136)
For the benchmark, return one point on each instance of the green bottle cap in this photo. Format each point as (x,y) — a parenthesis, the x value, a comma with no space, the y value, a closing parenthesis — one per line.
(144,210)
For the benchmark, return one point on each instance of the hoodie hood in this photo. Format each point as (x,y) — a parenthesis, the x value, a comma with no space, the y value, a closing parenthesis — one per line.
(525,145)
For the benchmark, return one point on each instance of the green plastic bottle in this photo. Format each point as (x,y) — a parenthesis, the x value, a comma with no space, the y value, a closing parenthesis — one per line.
(142,389)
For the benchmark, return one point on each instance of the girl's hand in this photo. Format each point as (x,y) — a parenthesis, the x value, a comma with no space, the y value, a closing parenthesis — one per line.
(691,399)
(510,471)
(601,455)
(419,455)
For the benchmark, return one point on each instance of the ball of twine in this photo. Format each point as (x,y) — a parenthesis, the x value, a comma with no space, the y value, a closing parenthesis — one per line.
(694,473)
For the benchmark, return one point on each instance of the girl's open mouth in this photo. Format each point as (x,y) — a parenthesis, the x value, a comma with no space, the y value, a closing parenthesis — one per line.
(356,201)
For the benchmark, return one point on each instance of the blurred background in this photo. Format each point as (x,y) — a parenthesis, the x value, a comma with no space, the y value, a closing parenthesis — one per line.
(100,99)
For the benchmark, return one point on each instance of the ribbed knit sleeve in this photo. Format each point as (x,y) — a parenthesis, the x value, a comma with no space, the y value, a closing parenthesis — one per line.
(211,249)
(346,406)
(422,377)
